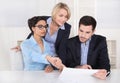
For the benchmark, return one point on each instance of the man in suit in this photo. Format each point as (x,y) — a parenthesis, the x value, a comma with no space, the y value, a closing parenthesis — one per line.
(87,50)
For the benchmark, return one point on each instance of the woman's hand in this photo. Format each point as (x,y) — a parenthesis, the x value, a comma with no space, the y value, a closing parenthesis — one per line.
(55,61)
(17,48)
(48,68)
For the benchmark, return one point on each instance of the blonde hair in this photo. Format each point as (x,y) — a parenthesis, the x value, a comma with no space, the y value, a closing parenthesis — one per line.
(61,6)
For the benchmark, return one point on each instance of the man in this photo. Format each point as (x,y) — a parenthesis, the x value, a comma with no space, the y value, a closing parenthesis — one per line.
(87,50)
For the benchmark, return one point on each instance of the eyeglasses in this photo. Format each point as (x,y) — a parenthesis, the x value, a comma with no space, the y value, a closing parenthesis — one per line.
(41,26)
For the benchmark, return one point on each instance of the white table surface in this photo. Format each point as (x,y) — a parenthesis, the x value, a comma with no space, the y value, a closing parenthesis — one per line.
(42,77)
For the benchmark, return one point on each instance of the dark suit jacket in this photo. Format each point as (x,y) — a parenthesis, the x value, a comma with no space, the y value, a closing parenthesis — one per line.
(60,44)
(97,53)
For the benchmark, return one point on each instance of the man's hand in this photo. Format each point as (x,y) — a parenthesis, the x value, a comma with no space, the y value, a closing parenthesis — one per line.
(55,61)
(101,74)
(84,67)
(52,60)
(48,68)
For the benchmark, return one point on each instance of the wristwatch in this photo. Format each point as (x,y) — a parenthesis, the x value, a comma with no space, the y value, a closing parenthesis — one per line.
(108,73)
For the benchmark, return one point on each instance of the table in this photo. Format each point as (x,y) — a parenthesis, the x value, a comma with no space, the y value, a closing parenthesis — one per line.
(42,77)
(28,77)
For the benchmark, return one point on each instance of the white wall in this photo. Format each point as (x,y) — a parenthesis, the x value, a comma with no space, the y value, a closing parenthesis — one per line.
(10,34)
(13,23)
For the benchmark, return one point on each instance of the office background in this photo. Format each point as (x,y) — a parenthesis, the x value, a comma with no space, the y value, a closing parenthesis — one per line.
(14,15)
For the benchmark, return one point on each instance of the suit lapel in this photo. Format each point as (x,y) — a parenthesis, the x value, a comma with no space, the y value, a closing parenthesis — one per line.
(78,48)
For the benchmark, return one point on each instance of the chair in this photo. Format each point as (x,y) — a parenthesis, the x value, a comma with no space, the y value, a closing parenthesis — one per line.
(16,60)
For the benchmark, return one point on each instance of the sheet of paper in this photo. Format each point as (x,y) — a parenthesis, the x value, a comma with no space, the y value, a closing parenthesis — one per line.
(74,75)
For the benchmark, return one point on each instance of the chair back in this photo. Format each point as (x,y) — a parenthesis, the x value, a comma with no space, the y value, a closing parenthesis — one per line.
(16,60)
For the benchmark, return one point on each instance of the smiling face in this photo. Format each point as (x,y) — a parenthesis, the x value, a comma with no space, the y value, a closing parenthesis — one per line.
(40,31)
(60,17)
(85,32)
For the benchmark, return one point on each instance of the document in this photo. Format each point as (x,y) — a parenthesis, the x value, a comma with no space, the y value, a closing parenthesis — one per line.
(74,75)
